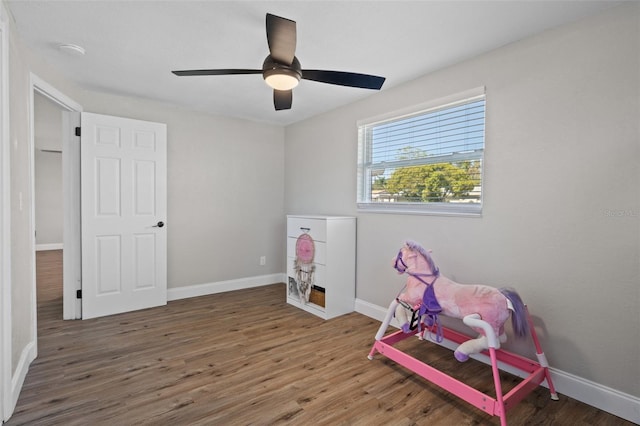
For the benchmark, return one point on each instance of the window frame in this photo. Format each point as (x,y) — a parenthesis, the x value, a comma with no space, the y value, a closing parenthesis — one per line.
(364,203)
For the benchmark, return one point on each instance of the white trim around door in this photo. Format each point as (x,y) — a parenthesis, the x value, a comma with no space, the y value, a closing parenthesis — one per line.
(6,405)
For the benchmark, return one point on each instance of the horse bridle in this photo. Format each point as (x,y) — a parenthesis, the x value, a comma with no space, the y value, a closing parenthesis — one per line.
(400,266)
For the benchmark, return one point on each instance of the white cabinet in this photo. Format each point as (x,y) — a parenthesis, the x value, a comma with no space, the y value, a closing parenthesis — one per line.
(321,264)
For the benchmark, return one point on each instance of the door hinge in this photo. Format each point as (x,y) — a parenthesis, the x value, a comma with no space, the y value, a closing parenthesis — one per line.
(78,294)
(77,131)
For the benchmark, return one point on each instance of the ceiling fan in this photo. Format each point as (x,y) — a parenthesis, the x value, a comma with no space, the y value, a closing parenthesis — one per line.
(282,71)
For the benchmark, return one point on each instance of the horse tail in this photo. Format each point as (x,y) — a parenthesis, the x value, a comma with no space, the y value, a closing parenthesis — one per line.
(519,319)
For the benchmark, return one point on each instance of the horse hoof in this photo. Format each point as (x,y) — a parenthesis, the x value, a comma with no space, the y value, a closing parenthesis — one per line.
(460,356)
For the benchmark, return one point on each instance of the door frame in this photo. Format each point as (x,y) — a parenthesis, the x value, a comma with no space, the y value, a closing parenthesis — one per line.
(71,196)
(6,395)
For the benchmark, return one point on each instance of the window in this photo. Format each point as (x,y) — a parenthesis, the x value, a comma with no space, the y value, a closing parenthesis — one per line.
(428,160)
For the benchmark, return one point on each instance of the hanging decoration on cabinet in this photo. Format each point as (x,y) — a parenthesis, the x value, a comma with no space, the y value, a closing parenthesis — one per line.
(304,266)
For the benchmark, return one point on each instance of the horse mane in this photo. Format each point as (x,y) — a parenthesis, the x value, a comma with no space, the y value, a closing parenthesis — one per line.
(412,245)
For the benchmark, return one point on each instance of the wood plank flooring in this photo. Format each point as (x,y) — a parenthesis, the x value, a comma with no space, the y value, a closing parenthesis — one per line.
(245,358)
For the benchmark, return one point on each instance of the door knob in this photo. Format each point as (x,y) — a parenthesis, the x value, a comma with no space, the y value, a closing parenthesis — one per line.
(158,225)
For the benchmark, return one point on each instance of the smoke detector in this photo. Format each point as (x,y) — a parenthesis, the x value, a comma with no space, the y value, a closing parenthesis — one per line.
(72,49)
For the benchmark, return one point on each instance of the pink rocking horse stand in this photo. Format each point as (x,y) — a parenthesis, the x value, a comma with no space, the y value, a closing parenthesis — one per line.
(535,372)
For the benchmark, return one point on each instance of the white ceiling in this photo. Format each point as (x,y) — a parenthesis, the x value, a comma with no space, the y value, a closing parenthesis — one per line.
(132,46)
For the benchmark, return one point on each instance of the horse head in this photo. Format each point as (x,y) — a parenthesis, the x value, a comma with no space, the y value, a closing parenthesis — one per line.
(413,257)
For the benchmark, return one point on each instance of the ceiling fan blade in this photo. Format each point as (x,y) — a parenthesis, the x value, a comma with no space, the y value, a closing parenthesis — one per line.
(341,78)
(216,72)
(282,99)
(281,37)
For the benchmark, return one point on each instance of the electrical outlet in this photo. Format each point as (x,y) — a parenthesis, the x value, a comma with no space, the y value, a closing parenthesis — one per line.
(263,260)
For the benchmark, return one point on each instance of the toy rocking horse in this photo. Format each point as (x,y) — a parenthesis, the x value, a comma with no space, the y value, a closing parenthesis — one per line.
(427,292)
(485,309)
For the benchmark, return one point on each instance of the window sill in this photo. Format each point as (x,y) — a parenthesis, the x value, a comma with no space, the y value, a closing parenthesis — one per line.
(431,209)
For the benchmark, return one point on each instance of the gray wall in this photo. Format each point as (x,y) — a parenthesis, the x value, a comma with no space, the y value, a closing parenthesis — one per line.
(22,256)
(561,218)
(225,190)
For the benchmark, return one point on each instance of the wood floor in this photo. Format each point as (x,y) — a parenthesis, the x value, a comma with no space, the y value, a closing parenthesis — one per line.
(245,358)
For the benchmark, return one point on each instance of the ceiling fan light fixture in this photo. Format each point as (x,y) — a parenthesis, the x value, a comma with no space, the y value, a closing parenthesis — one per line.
(281,70)
(281,78)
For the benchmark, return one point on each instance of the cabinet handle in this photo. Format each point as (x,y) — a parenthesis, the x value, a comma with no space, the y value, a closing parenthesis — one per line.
(305,229)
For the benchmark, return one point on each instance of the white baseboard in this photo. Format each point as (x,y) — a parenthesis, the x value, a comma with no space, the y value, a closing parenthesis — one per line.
(26,358)
(223,286)
(53,246)
(602,397)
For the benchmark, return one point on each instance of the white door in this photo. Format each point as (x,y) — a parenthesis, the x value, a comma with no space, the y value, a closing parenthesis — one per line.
(123,202)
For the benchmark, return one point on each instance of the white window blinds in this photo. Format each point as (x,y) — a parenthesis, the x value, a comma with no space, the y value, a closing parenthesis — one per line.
(429,160)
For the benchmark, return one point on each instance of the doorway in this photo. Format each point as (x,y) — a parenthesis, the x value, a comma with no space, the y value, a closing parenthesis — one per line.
(66,113)
(48,200)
